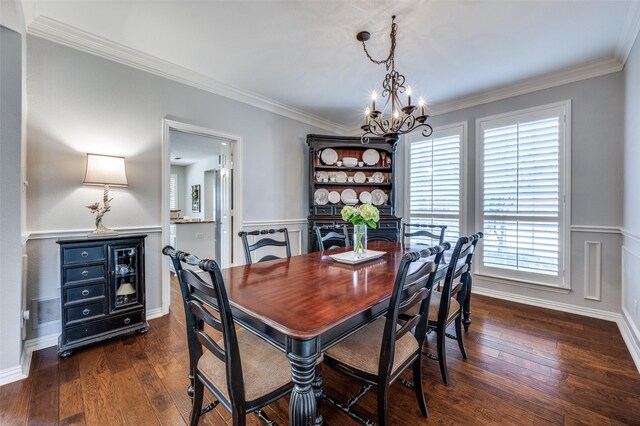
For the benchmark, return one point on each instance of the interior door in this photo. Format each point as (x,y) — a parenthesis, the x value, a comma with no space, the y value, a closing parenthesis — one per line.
(226,208)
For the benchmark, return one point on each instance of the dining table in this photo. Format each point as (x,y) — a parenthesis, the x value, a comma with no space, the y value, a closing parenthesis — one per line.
(305,304)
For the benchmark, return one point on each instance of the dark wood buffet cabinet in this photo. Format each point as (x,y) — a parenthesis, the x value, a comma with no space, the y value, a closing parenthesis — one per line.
(102,289)
(335,181)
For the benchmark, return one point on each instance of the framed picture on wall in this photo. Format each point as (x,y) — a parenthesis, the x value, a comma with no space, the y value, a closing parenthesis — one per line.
(195,198)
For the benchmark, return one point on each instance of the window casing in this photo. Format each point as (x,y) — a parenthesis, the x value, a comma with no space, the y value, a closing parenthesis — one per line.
(522,204)
(436,180)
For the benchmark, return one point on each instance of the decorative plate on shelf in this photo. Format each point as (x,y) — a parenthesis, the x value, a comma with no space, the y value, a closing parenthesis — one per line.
(360,177)
(370,157)
(322,176)
(334,197)
(378,177)
(349,196)
(329,156)
(321,197)
(365,197)
(378,197)
(341,177)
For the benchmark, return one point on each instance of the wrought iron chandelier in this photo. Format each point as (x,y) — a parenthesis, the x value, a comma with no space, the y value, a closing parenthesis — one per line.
(395,118)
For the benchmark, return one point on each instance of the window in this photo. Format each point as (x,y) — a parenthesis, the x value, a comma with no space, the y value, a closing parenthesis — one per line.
(173,192)
(435,166)
(521,194)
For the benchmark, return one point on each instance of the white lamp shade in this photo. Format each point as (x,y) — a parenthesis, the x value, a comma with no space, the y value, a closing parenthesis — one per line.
(125,290)
(105,170)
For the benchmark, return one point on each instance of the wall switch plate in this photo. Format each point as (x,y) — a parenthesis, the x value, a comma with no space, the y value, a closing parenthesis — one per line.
(199,236)
(635,307)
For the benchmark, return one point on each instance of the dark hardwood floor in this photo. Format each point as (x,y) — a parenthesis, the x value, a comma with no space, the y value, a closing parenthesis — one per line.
(526,366)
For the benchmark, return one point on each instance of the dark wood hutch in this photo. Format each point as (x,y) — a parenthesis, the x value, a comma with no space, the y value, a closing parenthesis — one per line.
(323,176)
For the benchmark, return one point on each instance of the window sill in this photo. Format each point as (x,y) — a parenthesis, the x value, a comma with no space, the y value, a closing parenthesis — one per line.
(520,283)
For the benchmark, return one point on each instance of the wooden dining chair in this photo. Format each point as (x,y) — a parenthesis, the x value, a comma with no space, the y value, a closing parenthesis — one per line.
(397,348)
(423,230)
(447,305)
(264,242)
(233,367)
(335,236)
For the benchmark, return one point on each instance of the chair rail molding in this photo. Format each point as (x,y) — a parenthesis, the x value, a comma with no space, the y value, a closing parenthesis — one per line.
(72,233)
(596,229)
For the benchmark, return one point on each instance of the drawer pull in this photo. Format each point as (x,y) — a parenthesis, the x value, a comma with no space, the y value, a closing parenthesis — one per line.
(127,320)
(86,312)
(84,254)
(85,273)
(85,292)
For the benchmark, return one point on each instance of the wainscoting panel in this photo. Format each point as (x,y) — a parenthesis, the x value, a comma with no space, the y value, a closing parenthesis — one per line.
(297,229)
(592,270)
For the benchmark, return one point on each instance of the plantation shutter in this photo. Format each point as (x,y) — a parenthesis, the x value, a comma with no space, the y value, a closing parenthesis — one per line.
(521,195)
(435,182)
(173,192)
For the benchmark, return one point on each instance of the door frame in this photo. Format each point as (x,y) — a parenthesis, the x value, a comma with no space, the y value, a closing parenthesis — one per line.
(235,145)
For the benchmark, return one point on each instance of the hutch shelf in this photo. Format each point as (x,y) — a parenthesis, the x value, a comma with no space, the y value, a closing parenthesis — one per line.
(371,179)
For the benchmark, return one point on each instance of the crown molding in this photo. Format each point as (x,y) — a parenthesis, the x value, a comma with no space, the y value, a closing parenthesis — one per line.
(52,30)
(629,33)
(554,79)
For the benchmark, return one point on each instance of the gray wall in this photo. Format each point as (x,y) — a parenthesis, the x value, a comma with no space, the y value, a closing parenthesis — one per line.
(11,248)
(631,225)
(80,103)
(596,178)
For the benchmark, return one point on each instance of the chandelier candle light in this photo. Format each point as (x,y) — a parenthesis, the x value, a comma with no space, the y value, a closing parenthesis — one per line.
(400,119)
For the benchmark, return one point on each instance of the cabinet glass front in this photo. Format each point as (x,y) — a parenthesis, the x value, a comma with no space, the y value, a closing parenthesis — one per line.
(126,283)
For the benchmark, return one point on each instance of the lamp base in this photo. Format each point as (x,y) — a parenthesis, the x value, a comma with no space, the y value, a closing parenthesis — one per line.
(102,231)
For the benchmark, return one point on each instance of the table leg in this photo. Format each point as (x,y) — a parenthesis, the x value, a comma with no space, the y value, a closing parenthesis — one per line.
(317,390)
(302,354)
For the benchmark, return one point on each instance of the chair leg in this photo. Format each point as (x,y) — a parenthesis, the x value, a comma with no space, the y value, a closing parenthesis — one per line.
(442,353)
(466,306)
(196,407)
(239,418)
(459,336)
(383,404)
(417,385)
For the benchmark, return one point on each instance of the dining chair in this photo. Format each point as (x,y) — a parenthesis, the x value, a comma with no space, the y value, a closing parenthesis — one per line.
(336,236)
(265,242)
(412,230)
(447,305)
(231,368)
(397,348)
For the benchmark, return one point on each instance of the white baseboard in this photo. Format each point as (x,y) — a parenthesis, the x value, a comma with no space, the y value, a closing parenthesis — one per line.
(154,313)
(631,336)
(543,303)
(12,374)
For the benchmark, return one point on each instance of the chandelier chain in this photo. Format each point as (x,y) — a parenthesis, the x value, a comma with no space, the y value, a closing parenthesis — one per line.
(390,60)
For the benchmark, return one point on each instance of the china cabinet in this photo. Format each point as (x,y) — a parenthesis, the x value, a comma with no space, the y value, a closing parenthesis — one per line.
(343,171)
(102,289)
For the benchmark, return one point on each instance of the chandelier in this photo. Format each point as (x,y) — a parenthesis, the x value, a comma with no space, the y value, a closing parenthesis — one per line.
(394,118)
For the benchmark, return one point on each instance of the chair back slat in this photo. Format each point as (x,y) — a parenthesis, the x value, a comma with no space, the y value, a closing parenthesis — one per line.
(409,289)
(459,264)
(337,236)
(435,232)
(265,242)
(197,316)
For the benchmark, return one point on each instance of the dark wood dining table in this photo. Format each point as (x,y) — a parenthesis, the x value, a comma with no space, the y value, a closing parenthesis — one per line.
(305,304)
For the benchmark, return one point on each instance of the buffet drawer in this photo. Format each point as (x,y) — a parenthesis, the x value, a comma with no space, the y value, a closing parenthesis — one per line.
(85,312)
(74,294)
(83,273)
(83,254)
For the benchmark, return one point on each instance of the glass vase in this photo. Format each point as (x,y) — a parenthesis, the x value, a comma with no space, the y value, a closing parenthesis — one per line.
(359,241)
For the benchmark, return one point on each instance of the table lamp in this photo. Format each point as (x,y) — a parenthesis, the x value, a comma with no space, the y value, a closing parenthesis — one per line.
(104,170)
(125,290)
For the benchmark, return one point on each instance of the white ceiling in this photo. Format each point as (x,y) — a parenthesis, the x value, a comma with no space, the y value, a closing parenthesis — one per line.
(189,148)
(304,54)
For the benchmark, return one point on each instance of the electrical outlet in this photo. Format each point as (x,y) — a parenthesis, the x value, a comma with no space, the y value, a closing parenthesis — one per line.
(199,236)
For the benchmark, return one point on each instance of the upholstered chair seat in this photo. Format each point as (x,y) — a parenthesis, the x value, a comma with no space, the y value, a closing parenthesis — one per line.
(361,349)
(264,368)
(454,307)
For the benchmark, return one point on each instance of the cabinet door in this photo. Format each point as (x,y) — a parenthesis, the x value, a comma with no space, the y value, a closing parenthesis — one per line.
(126,286)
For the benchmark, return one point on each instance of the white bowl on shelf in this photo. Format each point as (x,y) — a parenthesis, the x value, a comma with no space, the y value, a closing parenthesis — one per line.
(350,161)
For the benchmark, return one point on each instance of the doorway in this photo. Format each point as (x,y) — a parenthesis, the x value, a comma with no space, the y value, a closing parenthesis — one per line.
(200,206)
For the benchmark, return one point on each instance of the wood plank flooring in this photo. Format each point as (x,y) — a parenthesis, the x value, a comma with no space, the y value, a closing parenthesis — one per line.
(526,366)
